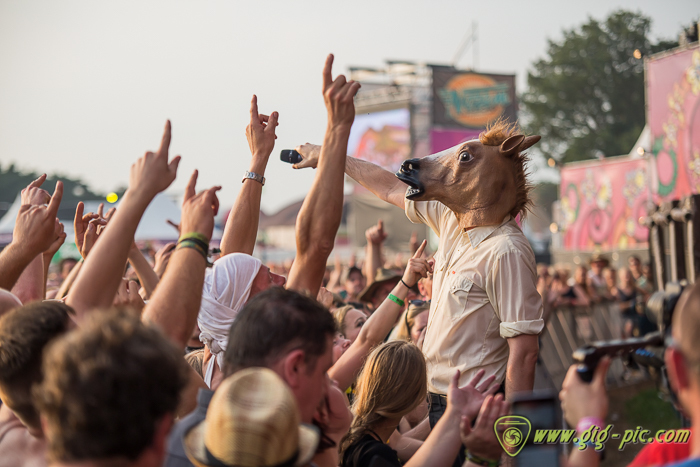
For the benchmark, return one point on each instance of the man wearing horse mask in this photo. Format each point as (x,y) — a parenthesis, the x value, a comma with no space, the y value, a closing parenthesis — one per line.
(486,312)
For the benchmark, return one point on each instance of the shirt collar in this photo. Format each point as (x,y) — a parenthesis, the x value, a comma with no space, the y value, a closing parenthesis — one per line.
(481,233)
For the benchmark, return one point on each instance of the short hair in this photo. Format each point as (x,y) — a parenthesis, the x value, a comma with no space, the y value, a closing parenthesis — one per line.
(106,386)
(273,323)
(24,333)
(352,270)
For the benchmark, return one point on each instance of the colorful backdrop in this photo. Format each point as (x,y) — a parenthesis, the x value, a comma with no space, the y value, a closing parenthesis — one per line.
(601,203)
(673,116)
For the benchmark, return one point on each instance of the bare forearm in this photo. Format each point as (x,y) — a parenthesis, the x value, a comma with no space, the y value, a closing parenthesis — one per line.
(520,374)
(383,319)
(102,271)
(441,446)
(175,303)
(30,285)
(147,276)
(373,261)
(382,183)
(66,285)
(241,228)
(13,260)
(320,214)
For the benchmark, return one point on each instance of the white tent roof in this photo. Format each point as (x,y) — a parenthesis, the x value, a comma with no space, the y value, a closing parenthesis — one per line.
(153,225)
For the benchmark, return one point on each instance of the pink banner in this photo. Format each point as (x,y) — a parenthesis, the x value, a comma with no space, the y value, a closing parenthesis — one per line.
(673,116)
(601,203)
(445,139)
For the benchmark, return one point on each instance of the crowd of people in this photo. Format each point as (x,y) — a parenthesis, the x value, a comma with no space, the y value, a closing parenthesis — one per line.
(180,357)
(628,287)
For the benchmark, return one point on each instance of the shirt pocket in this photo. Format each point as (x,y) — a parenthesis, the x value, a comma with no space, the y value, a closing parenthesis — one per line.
(458,294)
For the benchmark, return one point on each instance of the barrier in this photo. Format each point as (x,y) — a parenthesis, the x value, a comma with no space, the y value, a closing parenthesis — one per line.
(568,328)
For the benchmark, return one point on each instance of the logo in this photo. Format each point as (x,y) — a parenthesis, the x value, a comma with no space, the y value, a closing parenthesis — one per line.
(512,431)
(474,100)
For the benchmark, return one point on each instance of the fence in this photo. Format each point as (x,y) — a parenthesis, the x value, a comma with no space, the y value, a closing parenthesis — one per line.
(568,328)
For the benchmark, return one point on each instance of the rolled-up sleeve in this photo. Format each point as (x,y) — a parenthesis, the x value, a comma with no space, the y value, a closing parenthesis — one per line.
(512,291)
(429,213)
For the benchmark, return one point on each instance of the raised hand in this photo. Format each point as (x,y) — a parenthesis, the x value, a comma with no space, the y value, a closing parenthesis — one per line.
(34,195)
(580,399)
(162,258)
(260,132)
(36,225)
(309,155)
(467,400)
(59,238)
(153,173)
(376,234)
(198,210)
(417,267)
(85,228)
(480,440)
(128,295)
(338,95)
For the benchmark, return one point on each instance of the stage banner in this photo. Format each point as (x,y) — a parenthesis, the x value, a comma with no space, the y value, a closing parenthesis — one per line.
(601,203)
(471,100)
(445,139)
(673,116)
(383,138)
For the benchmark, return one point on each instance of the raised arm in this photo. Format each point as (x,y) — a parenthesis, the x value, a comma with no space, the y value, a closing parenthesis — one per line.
(379,181)
(175,303)
(345,370)
(375,236)
(242,225)
(147,276)
(322,209)
(34,232)
(102,271)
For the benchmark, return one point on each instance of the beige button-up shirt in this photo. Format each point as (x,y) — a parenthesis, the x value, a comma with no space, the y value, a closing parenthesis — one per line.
(484,291)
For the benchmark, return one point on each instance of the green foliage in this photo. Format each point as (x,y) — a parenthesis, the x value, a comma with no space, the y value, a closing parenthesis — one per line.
(587,95)
(12,181)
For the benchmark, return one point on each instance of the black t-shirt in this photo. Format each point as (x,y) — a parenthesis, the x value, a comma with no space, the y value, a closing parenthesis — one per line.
(368,452)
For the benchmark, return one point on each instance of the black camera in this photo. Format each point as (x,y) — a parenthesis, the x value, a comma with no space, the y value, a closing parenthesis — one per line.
(647,351)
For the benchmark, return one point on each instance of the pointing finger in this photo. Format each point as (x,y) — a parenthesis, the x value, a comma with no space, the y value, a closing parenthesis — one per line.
(56,200)
(421,248)
(100,209)
(38,182)
(327,75)
(254,118)
(165,142)
(190,189)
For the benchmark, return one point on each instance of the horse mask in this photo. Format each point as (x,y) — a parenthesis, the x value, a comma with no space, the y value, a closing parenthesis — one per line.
(481,181)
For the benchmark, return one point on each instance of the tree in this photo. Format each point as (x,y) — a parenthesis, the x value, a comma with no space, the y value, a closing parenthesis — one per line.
(587,95)
(12,181)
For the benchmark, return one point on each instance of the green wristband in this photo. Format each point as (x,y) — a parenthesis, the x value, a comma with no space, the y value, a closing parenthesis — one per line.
(480,461)
(396,300)
(194,236)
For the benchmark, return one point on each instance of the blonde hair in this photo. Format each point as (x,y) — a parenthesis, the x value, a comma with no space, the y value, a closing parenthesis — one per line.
(392,382)
(408,319)
(339,317)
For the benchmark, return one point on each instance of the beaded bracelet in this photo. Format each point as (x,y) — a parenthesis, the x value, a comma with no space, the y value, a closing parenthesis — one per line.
(481,461)
(396,300)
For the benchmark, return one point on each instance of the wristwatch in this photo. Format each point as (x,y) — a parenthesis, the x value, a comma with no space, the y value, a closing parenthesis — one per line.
(253,176)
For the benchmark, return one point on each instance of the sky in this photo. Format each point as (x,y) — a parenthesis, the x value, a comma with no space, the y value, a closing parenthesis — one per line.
(86,86)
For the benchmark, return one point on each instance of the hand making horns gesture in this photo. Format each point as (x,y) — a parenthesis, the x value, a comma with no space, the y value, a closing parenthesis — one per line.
(417,267)
(338,95)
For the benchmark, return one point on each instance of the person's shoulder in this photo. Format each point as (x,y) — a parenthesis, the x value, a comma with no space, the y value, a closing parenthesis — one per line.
(363,451)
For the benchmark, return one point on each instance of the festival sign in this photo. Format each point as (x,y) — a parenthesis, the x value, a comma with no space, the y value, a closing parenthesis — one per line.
(601,203)
(383,138)
(471,100)
(673,116)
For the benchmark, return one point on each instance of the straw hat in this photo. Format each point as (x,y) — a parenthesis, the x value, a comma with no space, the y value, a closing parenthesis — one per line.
(252,420)
(383,276)
(598,257)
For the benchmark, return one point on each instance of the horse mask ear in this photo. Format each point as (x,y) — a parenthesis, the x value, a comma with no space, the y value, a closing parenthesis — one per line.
(517,143)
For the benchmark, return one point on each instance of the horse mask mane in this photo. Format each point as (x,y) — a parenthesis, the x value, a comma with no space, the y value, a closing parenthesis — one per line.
(481,180)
